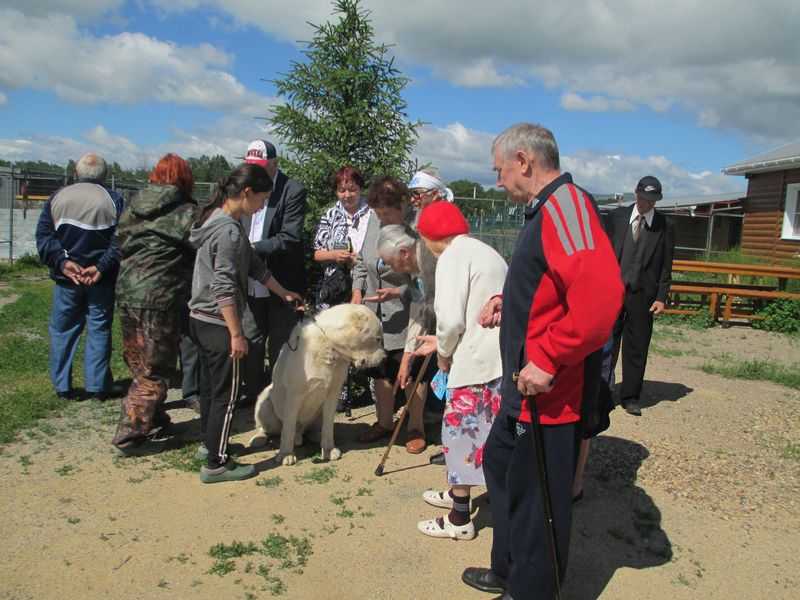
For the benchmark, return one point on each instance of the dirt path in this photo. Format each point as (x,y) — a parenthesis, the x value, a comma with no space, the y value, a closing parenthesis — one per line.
(700,497)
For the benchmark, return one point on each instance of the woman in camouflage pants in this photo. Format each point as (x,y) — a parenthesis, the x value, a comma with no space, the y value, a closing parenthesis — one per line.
(154,284)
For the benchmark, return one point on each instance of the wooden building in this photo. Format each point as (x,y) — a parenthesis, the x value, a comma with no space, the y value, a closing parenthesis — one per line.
(771,226)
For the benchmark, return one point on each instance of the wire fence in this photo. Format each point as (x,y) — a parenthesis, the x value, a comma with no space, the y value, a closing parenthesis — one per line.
(492,220)
(23,194)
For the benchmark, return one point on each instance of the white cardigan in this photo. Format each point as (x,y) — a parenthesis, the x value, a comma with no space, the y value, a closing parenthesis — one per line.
(468,273)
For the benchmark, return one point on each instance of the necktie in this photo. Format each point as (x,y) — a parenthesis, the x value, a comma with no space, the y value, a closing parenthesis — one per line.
(637,227)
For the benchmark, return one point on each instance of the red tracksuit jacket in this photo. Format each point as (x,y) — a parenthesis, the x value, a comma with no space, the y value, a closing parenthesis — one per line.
(562,295)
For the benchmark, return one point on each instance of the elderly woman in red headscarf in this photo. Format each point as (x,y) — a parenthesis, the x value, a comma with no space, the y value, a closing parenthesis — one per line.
(468,272)
(154,283)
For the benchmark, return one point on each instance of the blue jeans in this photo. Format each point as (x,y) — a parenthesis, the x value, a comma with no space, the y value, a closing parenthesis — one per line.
(73,307)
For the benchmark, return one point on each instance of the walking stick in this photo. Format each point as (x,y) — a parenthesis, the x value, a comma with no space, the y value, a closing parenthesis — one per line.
(537,447)
(403,412)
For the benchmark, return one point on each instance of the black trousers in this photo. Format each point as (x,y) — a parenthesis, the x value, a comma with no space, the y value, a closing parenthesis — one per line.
(275,320)
(219,388)
(255,370)
(281,319)
(520,547)
(189,359)
(633,331)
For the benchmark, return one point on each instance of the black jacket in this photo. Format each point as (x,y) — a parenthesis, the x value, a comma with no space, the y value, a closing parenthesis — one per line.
(656,271)
(281,245)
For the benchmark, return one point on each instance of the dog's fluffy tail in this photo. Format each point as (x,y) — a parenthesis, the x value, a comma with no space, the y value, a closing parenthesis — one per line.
(259,439)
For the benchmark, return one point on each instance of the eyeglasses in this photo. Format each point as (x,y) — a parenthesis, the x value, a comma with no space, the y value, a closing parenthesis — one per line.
(418,193)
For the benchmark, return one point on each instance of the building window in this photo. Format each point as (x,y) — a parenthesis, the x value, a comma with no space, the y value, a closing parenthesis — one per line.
(791,214)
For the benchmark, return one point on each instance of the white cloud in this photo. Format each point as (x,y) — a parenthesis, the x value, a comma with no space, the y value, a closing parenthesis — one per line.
(52,53)
(104,139)
(573,101)
(228,136)
(733,65)
(482,73)
(460,152)
(3,99)
(75,8)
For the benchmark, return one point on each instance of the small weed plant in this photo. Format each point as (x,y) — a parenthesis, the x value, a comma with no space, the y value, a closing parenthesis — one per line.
(277,552)
(319,475)
(758,370)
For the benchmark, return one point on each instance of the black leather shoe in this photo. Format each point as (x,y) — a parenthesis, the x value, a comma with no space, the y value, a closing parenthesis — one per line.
(632,408)
(437,459)
(484,580)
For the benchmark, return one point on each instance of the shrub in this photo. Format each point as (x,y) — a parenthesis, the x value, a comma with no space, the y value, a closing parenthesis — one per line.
(780,315)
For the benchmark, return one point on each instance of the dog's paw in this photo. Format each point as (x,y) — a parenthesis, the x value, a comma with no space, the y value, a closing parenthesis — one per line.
(259,440)
(289,460)
(332,454)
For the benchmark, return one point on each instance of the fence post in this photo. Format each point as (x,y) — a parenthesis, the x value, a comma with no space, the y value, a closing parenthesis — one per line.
(11,218)
(709,233)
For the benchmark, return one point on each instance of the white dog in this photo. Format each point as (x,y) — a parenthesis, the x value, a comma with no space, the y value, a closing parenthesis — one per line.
(309,374)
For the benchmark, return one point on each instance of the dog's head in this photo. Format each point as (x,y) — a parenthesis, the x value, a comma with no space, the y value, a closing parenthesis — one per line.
(355,331)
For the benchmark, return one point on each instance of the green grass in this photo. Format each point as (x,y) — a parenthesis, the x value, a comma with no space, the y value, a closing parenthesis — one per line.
(758,370)
(792,452)
(180,459)
(269,482)
(277,552)
(26,394)
(698,321)
(319,475)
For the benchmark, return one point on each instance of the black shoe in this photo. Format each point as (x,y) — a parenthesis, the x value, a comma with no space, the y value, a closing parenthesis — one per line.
(505,596)
(437,459)
(632,407)
(70,395)
(484,580)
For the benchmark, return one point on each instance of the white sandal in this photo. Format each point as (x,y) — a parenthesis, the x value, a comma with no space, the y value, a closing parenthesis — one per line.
(432,528)
(438,499)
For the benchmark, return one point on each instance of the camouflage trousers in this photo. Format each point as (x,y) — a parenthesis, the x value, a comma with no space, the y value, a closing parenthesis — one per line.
(150,341)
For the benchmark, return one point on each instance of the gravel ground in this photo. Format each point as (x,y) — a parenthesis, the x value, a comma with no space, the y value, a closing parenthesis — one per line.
(696,498)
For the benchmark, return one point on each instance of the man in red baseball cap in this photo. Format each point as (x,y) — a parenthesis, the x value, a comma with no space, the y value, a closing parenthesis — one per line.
(276,233)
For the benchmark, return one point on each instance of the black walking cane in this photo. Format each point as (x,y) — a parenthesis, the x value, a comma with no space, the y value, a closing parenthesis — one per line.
(537,447)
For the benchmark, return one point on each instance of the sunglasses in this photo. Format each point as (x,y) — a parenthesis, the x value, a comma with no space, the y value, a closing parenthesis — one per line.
(419,193)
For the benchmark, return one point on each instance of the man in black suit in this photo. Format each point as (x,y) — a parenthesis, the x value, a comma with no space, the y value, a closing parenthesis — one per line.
(276,233)
(644,242)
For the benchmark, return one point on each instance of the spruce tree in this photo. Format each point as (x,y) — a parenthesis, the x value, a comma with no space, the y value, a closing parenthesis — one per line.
(343,105)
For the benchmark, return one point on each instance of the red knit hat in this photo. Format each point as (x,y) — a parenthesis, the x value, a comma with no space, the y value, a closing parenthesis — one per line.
(441,219)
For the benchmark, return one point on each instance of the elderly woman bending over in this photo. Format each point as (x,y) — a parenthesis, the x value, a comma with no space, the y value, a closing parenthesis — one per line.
(399,247)
(468,272)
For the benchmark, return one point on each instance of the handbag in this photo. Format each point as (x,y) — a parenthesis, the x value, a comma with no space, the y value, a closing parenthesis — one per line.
(335,287)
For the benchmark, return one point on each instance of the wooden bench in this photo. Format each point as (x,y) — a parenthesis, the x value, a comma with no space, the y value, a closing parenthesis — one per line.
(719,293)
(735,270)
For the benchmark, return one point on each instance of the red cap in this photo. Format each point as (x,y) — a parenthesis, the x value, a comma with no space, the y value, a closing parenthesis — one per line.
(440,220)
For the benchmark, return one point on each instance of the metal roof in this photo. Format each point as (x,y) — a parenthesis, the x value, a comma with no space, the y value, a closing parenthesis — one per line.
(668,202)
(779,159)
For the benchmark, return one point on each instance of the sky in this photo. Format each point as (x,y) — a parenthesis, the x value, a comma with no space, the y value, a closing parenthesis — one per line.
(630,88)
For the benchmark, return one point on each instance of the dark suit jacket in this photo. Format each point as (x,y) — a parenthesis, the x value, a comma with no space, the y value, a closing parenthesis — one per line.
(281,245)
(657,259)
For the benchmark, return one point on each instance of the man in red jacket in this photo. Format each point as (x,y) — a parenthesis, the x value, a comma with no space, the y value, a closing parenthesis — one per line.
(561,297)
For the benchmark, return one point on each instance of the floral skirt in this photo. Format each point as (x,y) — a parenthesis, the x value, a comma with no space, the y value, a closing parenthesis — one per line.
(466,422)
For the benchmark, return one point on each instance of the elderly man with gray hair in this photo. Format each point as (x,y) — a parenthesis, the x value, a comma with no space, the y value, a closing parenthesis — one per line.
(561,297)
(75,238)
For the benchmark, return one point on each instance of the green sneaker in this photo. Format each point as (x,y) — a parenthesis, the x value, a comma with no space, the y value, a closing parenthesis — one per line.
(230,471)
(201,453)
